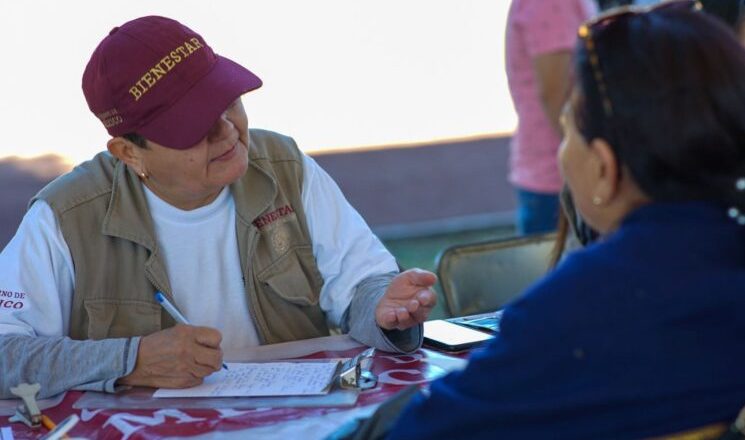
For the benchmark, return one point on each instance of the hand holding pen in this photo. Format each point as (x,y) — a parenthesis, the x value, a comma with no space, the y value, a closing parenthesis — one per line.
(177,357)
(174,312)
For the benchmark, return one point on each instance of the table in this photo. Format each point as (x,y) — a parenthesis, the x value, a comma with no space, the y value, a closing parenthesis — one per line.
(394,372)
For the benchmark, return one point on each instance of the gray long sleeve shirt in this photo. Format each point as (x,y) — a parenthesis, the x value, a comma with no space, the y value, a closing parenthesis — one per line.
(60,363)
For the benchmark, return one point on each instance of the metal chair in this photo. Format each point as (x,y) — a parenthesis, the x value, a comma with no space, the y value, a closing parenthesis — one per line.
(482,277)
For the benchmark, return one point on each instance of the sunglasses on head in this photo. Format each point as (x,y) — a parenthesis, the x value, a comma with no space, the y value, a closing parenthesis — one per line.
(589,31)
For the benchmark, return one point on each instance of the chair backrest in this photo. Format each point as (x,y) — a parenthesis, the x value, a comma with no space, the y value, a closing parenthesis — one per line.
(717,431)
(482,277)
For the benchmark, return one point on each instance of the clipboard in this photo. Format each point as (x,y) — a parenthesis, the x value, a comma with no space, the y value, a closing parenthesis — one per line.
(352,376)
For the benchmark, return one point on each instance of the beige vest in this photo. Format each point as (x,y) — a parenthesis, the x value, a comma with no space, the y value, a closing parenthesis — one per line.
(103,214)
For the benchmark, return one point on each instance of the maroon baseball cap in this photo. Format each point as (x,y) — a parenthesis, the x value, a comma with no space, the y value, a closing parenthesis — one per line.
(158,78)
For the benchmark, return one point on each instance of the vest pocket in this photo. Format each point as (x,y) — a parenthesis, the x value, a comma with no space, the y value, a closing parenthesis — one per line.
(294,277)
(109,318)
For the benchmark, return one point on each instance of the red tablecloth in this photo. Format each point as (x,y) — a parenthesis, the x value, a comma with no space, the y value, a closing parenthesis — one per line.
(394,372)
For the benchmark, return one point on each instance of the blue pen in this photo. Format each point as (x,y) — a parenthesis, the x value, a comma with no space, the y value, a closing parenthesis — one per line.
(175,314)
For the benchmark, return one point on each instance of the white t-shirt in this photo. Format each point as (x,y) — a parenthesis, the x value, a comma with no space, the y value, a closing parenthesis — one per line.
(37,272)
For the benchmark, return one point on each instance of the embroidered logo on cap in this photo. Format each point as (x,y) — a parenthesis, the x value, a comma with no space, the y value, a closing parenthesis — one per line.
(162,67)
(110,118)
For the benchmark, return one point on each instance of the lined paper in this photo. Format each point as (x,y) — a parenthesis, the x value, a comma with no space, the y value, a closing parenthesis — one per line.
(262,380)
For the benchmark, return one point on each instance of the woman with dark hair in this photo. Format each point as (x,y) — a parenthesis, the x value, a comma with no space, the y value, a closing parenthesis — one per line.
(572,230)
(639,334)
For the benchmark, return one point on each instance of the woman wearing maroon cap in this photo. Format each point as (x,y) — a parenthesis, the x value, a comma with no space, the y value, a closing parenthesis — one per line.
(249,238)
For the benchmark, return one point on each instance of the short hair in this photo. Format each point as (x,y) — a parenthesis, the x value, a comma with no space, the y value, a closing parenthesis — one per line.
(136,139)
(676,82)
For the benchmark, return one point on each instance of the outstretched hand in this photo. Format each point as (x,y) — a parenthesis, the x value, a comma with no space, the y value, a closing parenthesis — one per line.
(407,301)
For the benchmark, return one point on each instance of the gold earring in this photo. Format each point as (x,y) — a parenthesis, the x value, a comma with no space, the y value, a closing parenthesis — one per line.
(143,175)
(597,200)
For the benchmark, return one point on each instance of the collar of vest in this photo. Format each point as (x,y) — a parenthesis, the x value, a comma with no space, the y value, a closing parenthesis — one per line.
(253,193)
(128,215)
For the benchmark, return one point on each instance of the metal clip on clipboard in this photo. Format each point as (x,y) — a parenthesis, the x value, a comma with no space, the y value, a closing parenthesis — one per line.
(355,373)
(27,412)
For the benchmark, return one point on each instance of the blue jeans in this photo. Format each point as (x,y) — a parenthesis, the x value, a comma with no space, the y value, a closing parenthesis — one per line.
(536,212)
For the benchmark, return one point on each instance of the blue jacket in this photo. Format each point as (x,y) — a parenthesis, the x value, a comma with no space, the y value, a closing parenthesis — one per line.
(639,335)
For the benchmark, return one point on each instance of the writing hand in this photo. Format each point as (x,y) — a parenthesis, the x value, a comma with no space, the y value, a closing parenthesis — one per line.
(177,357)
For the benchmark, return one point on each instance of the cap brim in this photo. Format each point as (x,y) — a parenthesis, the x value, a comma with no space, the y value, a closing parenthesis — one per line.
(190,118)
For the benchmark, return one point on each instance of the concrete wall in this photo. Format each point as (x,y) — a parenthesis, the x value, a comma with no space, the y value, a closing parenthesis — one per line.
(429,188)
(402,191)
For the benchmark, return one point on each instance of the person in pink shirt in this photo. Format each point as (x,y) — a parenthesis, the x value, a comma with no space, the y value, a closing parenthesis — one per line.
(539,43)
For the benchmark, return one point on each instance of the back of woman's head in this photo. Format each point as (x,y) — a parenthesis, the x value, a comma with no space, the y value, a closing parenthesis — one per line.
(667,91)
(729,11)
